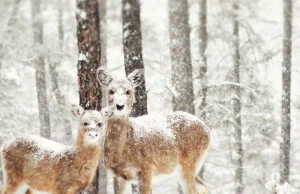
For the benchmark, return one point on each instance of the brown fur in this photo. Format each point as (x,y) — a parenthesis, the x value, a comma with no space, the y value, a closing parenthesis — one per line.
(67,173)
(153,154)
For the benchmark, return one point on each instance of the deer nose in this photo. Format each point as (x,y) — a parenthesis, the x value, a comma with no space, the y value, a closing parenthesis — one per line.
(120,107)
(93,134)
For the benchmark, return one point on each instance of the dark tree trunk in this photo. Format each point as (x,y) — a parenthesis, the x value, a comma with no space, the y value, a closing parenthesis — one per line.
(40,74)
(102,181)
(133,56)
(89,49)
(54,77)
(238,146)
(181,56)
(203,61)
(88,36)
(286,92)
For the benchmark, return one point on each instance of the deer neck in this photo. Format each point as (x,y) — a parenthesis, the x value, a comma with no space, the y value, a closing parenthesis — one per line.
(87,153)
(116,138)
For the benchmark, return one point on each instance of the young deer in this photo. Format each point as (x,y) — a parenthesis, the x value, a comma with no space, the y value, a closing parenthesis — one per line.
(143,147)
(35,163)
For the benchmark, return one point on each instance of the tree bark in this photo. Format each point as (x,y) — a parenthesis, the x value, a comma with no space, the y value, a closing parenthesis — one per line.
(181,56)
(203,62)
(88,35)
(102,181)
(286,92)
(133,55)
(89,59)
(238,152)
(40,74)
(54,77)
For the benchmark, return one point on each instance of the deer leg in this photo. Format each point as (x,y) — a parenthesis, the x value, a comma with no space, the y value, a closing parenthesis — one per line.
(119,185)
(145,181)
(200,186)
(188,180)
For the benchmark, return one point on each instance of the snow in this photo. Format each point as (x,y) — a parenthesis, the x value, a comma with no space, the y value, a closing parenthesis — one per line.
(82,57)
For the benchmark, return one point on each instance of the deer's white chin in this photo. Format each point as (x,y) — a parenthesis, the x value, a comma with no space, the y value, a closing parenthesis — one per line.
(92,141)
(120,113)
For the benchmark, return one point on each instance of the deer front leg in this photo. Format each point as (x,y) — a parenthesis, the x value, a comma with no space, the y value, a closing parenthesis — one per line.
(145,181)
(119,185)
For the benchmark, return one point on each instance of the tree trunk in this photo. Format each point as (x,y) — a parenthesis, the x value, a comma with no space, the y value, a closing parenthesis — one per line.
(203,62)
(286,92)
(181,56)
(54,77)
(133,55)
(40,74)
(102,181)
(88,35)
(89,49)
(238,152)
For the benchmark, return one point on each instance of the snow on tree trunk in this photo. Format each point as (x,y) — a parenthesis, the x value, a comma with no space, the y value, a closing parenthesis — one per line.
(102,181)
(54,78)
(182,80)
(40,74)
(238,146)
(88,37)
(286,92)
(203,61)
(133,55)
(89,59)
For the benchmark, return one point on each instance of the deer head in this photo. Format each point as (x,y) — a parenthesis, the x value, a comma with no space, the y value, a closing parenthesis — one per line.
(121,90)
(91,127)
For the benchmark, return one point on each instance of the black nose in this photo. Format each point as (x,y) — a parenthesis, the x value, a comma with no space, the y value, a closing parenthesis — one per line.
(120,107)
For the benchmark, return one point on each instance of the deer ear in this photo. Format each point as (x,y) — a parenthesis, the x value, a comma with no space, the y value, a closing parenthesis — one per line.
(136,77)
(107,112)
(77,110)
(103,77)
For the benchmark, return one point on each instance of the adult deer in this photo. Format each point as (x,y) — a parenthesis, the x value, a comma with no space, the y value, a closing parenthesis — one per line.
(35,163)
(143,147)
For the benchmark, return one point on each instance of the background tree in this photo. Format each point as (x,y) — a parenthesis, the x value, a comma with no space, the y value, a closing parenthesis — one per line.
(133,52)
(102,181)
(40,73)
(238,146)
(286,92)
(89,60)
(182,77)
(54,76)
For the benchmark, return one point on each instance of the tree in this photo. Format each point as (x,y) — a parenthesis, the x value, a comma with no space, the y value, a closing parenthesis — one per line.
(286,92)
(181,56)
(54,77)
(88,36)
(89,49)
(133,54)
(238,152)
(203,60)
(102,181)
(40,74)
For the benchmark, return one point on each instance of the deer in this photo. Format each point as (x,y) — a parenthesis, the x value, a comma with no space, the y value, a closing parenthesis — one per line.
(33,163)
(143,148)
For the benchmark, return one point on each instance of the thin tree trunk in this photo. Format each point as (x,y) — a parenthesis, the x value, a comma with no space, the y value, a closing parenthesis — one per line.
(11,22)
(40,74)
(181,56)
(89,49)
(133,55)
(54,77)
(102,181)
(238,156)
(286,92)
(203,62)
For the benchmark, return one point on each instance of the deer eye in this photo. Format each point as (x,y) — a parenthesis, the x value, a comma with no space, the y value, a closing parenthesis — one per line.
(111,92)
(99,124)
(128,92)
(85,124)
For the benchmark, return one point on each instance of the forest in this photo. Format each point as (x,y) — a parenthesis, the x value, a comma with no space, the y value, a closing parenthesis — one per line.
(234,64)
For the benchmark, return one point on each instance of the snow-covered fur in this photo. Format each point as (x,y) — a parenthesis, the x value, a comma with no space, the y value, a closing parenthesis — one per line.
(146,146)
(36,163)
